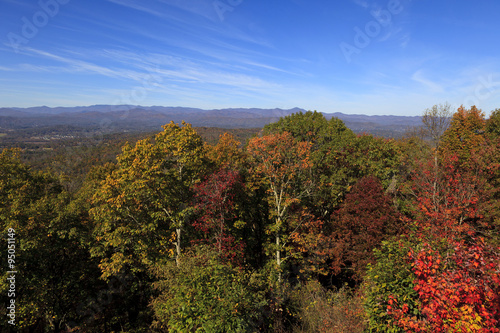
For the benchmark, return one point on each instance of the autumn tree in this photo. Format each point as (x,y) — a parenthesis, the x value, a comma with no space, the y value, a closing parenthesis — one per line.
(327,139)
(486,159)
(229,156)
(216,199)
(365,218)
(342,246)
(459,291)
(451,270)
(142,207)
(284,165)
(425,282)
(339,159)
(227,153)
(466,132)
(447,201)
(311,244)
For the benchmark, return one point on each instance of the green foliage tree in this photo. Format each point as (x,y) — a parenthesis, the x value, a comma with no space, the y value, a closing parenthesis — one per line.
(327,139)
(312,127)
(493,124)
(55,273)
(389,278)
(204,294)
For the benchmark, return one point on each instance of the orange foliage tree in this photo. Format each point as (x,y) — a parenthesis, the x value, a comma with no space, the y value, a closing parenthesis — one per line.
(284,166)
(227,153)
(446,198)
(466,132)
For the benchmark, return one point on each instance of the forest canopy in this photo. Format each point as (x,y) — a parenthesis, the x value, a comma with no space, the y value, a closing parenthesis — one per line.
(305,227)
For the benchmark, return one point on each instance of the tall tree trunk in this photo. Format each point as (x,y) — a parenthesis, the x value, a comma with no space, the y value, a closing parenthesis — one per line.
(278,250)
(178,246)
(434,185)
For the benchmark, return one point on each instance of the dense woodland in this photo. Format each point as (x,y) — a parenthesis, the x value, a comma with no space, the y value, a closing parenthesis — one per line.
(304,226)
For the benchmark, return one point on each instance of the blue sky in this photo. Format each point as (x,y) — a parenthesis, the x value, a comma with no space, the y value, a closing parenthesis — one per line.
(394,57)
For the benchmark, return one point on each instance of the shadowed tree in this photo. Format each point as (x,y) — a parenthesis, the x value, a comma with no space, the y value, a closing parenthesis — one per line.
(217,198)
(365,218)
(55,273)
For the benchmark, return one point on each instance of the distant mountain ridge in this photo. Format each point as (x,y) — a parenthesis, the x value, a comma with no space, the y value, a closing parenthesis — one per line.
(134,117)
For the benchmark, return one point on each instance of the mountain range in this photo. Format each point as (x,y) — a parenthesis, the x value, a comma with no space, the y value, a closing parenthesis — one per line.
(117,118)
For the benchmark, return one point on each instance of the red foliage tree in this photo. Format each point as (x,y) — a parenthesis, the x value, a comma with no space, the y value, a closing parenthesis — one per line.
(459,292)
(216,200)
(457,274)
(447,196)
(366,217)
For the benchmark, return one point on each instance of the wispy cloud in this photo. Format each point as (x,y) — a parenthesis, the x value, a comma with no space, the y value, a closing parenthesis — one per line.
(159,71)
(405,40)
(81,66)
(137,6)
(204,8)
(419,77)
(362,3)
(194,16)
(7,69)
